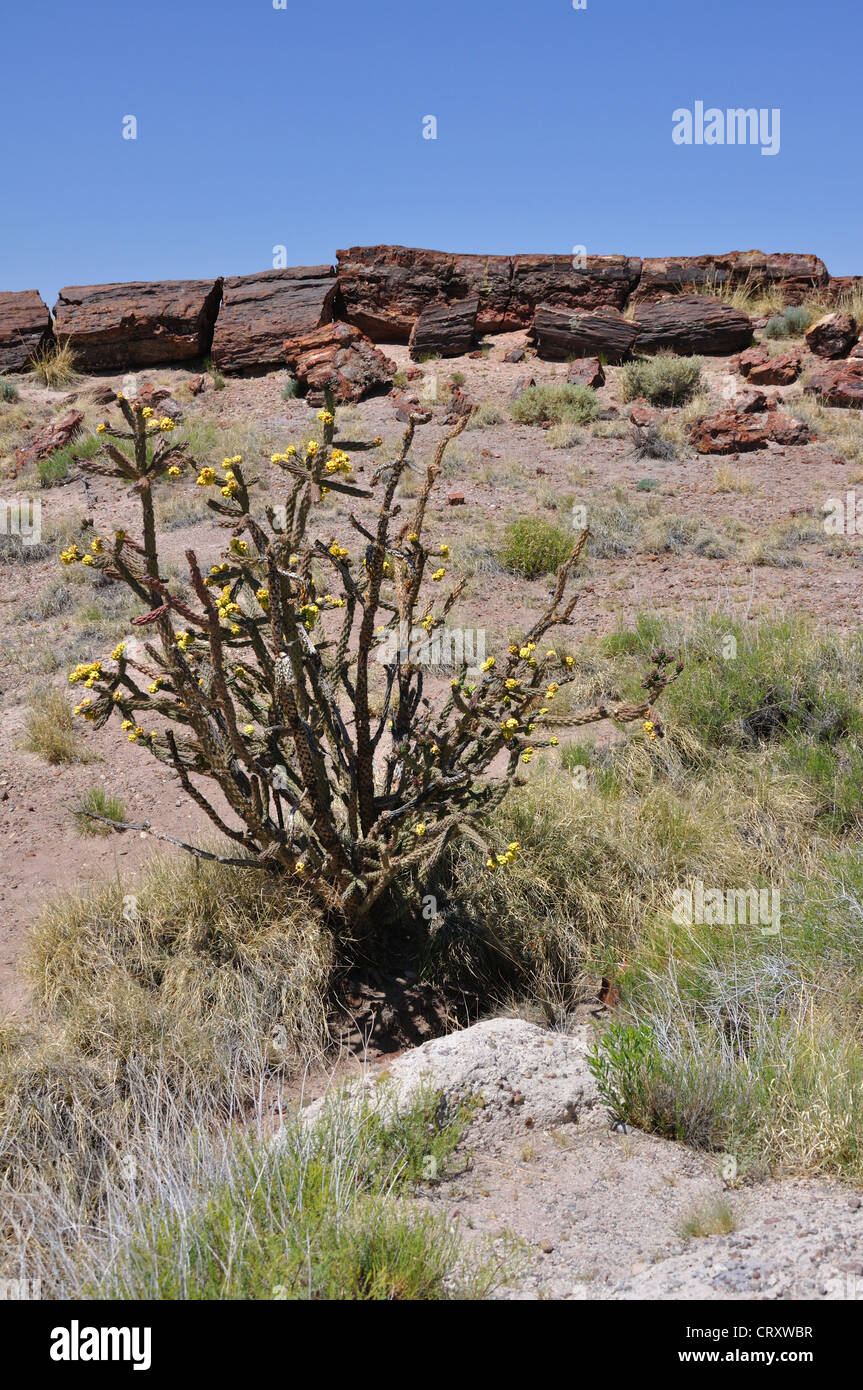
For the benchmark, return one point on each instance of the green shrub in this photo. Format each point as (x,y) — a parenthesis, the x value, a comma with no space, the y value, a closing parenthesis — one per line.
(782,682)
(532,546)
(8,392)
(314,1215)
(664,380)
(791,323)
(290,388)
(486,413)
(574,403)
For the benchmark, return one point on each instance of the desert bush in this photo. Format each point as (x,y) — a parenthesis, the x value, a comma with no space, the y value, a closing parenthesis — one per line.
(532,546)
(663,380)
(791,323)
(315,1215)
(556,402)
(290,389)
(713,1217)
(8,392)
(746,1043)
(214,374)
(267,687)
(486,413)
(55,365)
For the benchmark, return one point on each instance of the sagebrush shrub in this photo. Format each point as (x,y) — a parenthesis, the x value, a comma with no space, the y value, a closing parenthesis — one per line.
(532,546)
(663,380)
(556,402)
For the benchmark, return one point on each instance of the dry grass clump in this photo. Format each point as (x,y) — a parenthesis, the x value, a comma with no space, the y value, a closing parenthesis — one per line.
(50,730)
(713,1217)
(56,365)
(202,966)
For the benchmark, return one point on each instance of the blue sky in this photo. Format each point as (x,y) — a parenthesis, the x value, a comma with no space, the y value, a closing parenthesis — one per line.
(302,127)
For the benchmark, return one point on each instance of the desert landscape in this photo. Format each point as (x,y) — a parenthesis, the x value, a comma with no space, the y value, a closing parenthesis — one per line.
(430,713)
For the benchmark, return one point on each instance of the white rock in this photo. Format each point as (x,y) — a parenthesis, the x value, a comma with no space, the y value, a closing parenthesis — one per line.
(519,1072)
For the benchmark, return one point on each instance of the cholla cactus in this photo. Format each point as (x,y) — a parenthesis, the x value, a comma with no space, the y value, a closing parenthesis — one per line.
(266,686)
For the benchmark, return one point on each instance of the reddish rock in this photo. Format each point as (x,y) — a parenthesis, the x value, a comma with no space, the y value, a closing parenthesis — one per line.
(25,328)
(785,429)
(413,373)
(408,407)
(586,371)
(832,336)
(643,416)
(728,432)
(796,275)
(857,350)
(260,312)
(746,426)
(691,323)
(840,384)
(151,395)
(196,384)
(750,402)
(459,404)
(605,281)
(340,356)
(383,289)
(776,371)
(455,499)
(842,286)
(561,333)
(445,330)
(54,436)
(752,357)
(514,355)
(138,324)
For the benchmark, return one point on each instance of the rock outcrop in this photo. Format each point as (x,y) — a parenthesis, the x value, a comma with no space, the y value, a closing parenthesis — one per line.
(445,330)
(25,328)
(524,1078)
(796,275)
(604,282)
(383,289)
(562,333)
(139,324)
(691,323)
(259,312)
(338,355)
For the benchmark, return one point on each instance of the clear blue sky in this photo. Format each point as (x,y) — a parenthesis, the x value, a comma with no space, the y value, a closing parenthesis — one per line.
(303,127)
